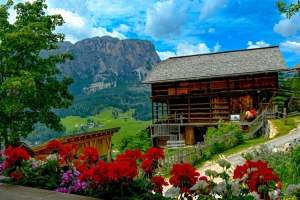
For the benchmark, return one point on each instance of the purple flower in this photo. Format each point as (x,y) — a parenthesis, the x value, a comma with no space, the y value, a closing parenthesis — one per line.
(2,167)
(70,183)
(62,189)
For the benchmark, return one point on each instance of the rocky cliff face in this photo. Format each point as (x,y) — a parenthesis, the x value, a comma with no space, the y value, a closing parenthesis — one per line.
(103,62)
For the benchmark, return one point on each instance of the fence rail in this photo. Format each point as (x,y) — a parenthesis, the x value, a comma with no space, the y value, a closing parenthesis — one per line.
(190,154)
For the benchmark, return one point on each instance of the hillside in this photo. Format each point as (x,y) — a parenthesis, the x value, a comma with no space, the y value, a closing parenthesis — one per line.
(105,120)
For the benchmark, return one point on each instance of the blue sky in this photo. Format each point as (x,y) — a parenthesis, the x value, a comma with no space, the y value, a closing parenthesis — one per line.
(182,27)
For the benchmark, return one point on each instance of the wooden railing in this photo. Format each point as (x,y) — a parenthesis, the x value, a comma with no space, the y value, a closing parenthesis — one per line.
(164,129)
(260,121)
(190,154)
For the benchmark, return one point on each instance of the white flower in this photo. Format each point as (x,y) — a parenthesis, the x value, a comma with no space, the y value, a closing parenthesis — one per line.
(172,192)
(292,189)
(221,187)
(31,160)
(235,188)
(38,163)
(211,173)
(274,194)
(52,157)
(224,163)
(201,184)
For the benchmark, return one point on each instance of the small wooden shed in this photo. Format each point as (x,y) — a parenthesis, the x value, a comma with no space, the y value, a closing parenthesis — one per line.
(101,139)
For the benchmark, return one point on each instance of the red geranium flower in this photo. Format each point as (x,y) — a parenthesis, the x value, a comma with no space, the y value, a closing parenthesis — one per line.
(159,182)
(150,162)
(154,154)
(17,176)
(55,145)
(8,150)
(66,153)
(80,166)
(90,155)
(15,157)
(184,176)
(255,174)
(122,172)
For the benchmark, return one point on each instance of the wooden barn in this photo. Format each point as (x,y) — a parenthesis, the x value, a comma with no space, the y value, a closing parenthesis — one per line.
(101,139)
(191,93)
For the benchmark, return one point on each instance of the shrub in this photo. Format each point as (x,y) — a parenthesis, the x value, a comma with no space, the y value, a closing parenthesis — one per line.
(140,140)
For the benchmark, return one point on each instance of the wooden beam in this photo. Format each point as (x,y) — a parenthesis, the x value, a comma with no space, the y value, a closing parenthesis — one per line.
(189,114)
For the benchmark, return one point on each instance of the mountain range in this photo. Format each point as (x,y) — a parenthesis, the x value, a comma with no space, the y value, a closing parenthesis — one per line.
(108,72)
(107,62)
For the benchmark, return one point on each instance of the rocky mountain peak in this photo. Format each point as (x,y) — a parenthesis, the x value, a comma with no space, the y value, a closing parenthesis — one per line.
(102,62)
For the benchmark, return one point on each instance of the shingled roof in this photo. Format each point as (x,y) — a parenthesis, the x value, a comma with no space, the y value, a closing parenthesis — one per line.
(213,65)
(297,66)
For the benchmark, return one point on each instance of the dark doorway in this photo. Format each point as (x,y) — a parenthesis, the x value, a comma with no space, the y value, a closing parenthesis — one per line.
(199,133)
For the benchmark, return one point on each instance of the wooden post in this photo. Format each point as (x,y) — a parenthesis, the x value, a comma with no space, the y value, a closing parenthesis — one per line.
(180,156)
(284,115)
(276,111)
(152,113)
(189,114)
(199,149)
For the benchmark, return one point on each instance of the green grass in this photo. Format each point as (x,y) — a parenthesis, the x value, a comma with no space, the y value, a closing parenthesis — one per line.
(284,129)
(126,126)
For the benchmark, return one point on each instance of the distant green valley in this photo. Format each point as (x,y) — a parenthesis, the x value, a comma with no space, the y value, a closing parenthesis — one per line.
(105,120)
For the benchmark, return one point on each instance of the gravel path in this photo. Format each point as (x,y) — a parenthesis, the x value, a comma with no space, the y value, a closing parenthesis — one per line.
(237,159)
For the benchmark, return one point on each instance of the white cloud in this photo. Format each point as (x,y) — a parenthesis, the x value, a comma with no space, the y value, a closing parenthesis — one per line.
(184,49)
(72,20)
(211,30)
(287,27)
(257,44)
(100,31)
(290,46)
(166,54)
(189,49)
(217,47)
(165,19)
(122,28)
(209,7)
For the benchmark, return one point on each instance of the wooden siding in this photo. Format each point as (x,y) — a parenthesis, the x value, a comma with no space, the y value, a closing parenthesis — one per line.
(210,86)
(99,139)
(208,101)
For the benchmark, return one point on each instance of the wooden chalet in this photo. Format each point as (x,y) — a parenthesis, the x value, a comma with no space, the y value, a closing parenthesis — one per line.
(191,93)
(101,139)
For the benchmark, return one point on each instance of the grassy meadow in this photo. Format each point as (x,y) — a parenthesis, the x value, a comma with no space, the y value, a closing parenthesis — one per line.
(124,121)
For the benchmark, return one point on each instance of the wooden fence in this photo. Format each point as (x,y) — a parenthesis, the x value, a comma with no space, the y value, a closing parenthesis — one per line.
(190,154)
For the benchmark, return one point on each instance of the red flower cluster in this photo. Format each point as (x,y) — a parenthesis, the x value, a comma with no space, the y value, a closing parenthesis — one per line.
(159,182)
(256,174)
(184,176)
(55,145)
(150,162)
(122,170)
(65,152)
(250,114)
(98,174)
(18,176)
(15,156)
(89,158)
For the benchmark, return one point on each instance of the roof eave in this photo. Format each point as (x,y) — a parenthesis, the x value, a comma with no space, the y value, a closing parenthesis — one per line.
(210,77)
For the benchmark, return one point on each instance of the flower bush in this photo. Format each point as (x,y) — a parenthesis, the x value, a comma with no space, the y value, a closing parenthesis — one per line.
(250,114)
(123,179)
